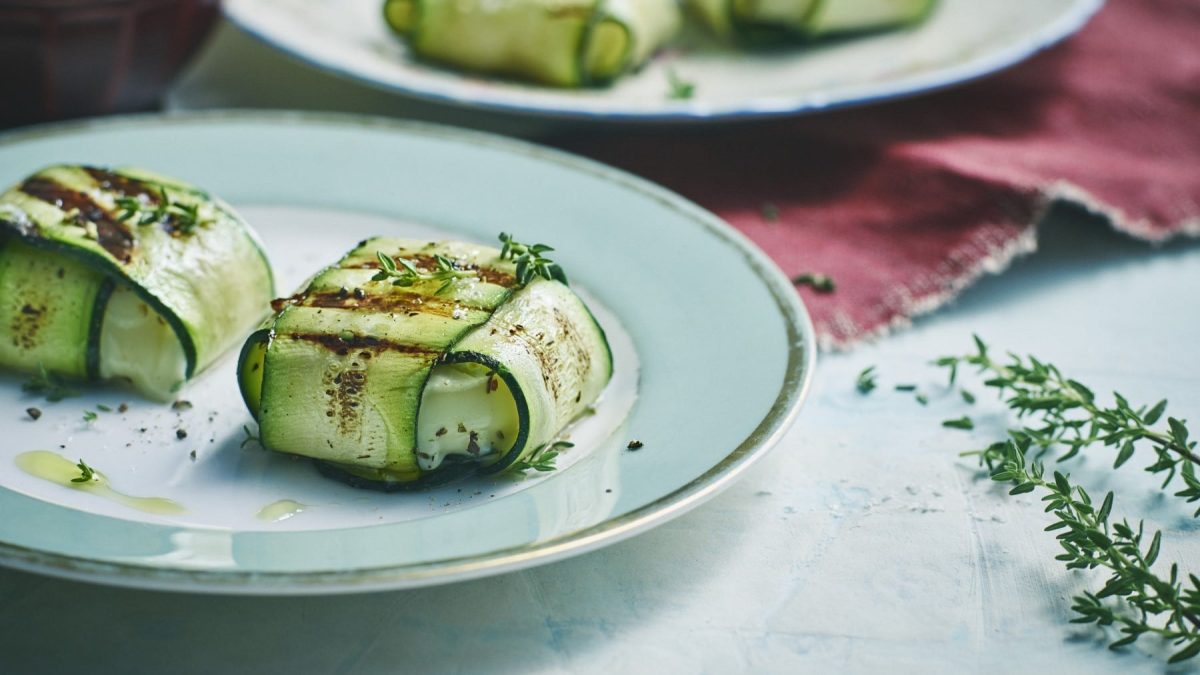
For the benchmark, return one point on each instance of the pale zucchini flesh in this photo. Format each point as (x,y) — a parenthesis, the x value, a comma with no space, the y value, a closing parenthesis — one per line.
(138,346)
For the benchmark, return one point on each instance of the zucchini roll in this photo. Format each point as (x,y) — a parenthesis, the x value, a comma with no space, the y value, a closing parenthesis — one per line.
(806,18)
(563,43)
(411,363)
(124,275)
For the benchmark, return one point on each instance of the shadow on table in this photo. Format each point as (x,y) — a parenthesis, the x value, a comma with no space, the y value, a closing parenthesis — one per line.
(517,622)
(1072,244)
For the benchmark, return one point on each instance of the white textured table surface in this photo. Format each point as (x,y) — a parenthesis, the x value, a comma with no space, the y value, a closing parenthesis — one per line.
(861,544)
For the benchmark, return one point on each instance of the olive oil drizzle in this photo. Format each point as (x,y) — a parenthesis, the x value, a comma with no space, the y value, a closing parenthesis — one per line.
(281,510)
(55,468)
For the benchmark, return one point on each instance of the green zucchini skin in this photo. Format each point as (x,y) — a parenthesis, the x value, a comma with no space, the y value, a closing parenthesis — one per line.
(770,22)
(96,325)
(560,43)
(345,361)
(206,282)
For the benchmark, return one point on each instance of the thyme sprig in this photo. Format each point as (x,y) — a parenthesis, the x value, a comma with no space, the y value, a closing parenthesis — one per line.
(678,88)
(866,381)
(1134,597)
(185,217)
(86,473)
(250,437)
(44,383)
(543,459)
(530,261)
(821,283)
(1065,413)
(404,272)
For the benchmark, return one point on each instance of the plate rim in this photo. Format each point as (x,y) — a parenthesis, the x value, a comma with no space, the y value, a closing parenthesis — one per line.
(776,421)
(1071,22)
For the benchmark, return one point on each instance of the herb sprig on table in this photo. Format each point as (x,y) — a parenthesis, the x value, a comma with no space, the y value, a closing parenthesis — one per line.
(1062,412)
(1133,598)
(866,381)
(1059,412)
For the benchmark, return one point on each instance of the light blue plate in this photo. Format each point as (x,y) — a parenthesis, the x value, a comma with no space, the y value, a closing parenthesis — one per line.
(962,40)
(725,348)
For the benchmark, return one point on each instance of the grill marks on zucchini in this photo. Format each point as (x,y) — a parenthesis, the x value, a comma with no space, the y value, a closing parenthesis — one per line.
(393,303)
(342,345)
(112,234)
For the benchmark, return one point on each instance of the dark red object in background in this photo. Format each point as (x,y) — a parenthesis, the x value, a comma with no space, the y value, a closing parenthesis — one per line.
(72,58)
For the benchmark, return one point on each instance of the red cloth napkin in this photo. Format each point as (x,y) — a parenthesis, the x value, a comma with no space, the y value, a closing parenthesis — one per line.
(906,204)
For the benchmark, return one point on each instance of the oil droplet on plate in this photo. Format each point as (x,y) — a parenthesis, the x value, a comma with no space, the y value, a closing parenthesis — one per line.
(281,510)
(55,468)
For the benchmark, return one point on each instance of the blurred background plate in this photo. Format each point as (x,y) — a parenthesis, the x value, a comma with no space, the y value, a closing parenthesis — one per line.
(961,41)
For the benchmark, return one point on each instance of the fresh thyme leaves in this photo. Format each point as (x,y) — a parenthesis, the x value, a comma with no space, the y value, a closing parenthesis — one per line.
(530,261)
(967,396)
(679,89)
(103,408)
(184,217)
(866,381)
(86,473)
(403,272)
(963,422)
(1163,606)
(922,399)
(820,283)
(906,387)
(46,384)
(90,416)
(1065,413)
(543,459)
(251,437)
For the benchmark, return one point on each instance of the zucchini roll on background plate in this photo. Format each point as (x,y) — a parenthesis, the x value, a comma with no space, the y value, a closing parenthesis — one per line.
(410,363)
(806,18)
(124,275)
(563,43)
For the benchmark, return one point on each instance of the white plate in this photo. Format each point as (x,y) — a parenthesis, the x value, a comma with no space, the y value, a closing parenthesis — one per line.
(709,367)
(962,40)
